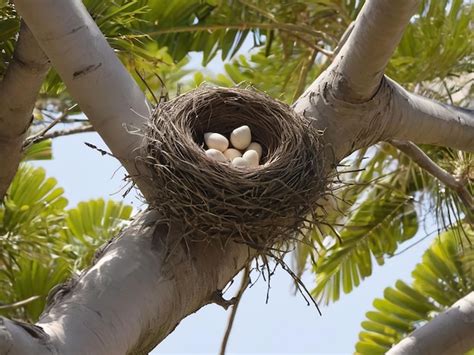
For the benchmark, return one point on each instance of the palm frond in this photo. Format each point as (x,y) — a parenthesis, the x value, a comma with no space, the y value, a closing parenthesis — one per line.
(42,243)
(90,225)
(372,232)
(39,151)
(33,278)
(436,44)
(443,276)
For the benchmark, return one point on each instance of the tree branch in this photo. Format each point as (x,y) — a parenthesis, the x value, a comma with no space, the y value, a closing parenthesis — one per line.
(99,313)
(94,76)
(356,106)
(424,121)
(425,162)
(18,91)
(451,332)
(362,60)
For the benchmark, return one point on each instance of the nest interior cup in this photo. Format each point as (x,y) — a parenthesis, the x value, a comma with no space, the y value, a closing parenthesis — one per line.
(258,206)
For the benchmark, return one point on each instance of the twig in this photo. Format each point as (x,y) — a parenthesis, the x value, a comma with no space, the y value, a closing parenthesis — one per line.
(305,69)
(147,86)
(267,14)
(35,138)
(19,303)
(285,27)
(448,92)
(101,151)
(55,134)
(425,162)
(243,286)
(218,299)
(300,286)
(272,18)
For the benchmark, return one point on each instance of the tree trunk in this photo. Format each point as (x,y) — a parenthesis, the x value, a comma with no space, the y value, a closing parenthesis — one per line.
(354,108)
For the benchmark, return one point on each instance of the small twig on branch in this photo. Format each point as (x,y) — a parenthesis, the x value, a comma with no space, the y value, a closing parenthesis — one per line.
(273,19)
(425,162)
(289,28)
(101,151)
(218,299)
(55,134)
(305,69)
(33,139)
(243,286)
(19,303)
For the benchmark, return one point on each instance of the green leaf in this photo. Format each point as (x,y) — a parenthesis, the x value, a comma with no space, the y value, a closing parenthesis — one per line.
(31,201)
(91,224)
(8,28)
(406,307)
(390,218)
(36,278)
(39,151)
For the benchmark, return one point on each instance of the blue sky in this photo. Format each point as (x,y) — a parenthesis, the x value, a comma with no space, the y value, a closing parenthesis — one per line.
(286,325)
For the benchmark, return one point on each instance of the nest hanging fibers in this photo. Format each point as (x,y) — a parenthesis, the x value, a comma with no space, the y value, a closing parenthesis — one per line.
(257,206)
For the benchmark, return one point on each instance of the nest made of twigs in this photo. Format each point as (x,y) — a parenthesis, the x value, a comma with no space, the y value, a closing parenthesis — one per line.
(258,206)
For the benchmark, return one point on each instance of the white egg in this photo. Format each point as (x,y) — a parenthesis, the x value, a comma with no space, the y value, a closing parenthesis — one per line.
(257,147)
(232,153)
(239,162)
(241,137)
(216,141)
(251,157)
(216,155)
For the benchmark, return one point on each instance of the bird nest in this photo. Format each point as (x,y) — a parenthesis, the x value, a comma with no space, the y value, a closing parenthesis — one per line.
(258,206)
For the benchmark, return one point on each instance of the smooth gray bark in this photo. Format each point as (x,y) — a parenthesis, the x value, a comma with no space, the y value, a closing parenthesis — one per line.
(448,334)
(134,295)
(18,91)
(361,62)
(392,113)
(424,121)
(105,91)
(131,299)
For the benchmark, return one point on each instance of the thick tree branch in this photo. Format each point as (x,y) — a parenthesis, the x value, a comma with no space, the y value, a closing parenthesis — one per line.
(392,113)
(347,126)
(93,74)
(450,333)
(424,121)
(356,106)
(425,162)
(133,296)
(18,91)
(362,60)
(18,338)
